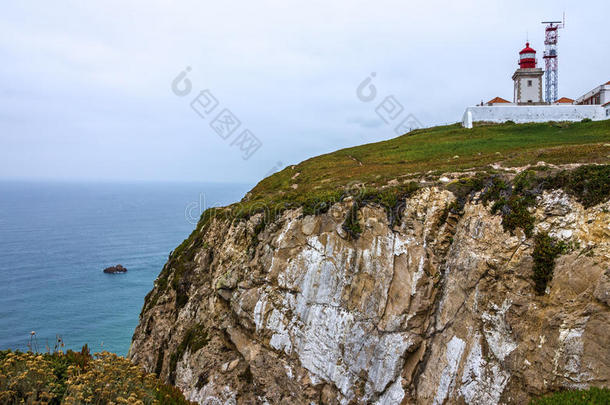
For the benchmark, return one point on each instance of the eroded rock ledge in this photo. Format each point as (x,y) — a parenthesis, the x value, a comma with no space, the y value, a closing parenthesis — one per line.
(435,308)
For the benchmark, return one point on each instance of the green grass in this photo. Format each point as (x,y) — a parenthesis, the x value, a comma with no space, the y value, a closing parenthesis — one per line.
(592,396)
(322,178)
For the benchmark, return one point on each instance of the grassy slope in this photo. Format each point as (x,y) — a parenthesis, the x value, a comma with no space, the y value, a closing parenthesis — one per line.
(435,149)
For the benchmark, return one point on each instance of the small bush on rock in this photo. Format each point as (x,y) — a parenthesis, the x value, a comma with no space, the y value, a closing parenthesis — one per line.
(512,201)
(591,396)
(546,250)
(589,184)
(351,224)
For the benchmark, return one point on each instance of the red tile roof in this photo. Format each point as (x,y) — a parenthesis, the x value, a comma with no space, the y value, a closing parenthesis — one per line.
(566,100)
(608,84)
(497,100)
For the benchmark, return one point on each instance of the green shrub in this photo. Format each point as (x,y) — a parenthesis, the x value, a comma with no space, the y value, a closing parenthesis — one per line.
(512,201)
(320,203)
(351,225)
(389,198)
(588,184)
(463,189)
(495,188)
(546,250)
(592,396)
(525,181)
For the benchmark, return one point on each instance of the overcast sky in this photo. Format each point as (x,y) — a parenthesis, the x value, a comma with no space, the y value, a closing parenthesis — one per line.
(86,86)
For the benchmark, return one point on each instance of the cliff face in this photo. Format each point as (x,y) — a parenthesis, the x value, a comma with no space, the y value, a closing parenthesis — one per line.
(436,307)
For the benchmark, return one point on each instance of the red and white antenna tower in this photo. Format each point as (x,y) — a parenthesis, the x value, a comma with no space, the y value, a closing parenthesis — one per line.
(551,74)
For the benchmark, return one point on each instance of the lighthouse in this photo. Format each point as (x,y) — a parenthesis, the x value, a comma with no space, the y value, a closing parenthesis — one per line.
(528,79)
(528,103)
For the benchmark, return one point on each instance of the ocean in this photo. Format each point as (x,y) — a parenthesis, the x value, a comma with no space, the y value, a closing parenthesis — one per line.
(56,238)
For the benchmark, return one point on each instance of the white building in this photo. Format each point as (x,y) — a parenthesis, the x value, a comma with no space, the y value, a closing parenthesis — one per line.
(599,95)
(529,106)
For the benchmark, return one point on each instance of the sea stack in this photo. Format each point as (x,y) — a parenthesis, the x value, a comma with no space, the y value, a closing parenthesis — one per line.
(115,269)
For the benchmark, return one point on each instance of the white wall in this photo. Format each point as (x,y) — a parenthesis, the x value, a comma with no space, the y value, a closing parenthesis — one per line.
(536,113)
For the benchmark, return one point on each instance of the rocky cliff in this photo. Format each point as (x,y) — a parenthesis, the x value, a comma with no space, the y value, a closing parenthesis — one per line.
(433,301)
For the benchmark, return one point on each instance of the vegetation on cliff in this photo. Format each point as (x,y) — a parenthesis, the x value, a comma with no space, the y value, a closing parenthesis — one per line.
(592,396)
(79,378)
(386,172)
(546,250)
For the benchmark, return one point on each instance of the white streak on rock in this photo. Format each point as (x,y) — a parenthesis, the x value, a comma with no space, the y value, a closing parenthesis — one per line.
(453,354)
(417,275)
(567,360)
(333,343)
(482,382)
(497,332)
(280,340)
(259,313)
(394,394)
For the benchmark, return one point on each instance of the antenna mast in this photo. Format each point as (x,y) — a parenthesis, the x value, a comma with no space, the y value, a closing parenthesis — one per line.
(551,73)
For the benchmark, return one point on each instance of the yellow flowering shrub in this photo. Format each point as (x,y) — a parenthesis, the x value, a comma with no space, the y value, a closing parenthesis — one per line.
(26,378)
(109,379)
(77,378)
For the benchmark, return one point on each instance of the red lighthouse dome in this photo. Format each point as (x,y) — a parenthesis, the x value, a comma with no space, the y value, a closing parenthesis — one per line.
(527,57)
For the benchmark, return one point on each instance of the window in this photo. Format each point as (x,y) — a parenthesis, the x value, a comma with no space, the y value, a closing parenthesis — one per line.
(529,83)
(529,101)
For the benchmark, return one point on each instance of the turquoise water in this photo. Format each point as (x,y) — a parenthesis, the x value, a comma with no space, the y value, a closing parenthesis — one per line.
(55,240)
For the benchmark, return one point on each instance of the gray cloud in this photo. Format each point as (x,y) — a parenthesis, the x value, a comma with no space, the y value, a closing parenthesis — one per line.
(85,84)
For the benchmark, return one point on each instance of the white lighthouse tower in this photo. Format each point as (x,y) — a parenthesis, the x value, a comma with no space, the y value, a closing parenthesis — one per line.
(528,79)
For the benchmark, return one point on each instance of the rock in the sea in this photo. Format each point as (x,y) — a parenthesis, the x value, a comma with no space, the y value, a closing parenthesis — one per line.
(115,269)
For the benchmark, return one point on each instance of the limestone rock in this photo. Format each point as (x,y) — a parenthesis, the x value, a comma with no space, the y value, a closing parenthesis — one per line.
(431,309)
